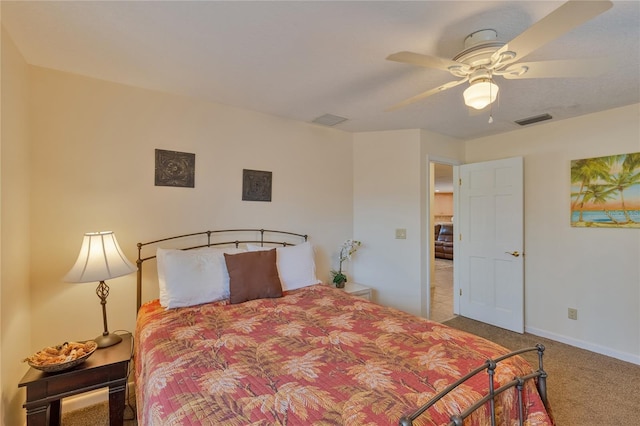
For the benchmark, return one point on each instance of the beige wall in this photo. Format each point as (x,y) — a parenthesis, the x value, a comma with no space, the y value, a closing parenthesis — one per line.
(386,197)
(15,323)
(93,169)
(593,270)
(391,181)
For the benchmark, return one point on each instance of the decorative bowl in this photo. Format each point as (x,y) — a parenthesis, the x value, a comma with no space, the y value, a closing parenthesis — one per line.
(62,357)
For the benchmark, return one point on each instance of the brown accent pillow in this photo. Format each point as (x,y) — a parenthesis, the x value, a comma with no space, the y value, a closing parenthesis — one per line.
(253,275)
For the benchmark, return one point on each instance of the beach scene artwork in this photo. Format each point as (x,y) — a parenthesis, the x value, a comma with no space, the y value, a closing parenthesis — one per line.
(605,191)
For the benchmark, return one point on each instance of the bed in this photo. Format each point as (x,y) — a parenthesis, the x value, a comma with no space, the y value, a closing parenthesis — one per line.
(311,353)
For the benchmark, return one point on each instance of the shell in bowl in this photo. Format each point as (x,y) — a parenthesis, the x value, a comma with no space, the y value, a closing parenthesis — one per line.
(63,357)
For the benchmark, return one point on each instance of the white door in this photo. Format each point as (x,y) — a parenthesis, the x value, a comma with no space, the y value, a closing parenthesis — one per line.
(490,243)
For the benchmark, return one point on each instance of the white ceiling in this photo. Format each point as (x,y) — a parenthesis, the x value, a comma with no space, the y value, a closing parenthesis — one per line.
(301,60)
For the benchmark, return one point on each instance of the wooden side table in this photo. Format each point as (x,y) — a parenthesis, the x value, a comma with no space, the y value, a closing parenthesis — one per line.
(357,290)
(108,367)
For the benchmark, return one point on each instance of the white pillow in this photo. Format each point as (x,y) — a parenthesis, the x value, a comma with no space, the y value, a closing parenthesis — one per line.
(192,277)
(296,265)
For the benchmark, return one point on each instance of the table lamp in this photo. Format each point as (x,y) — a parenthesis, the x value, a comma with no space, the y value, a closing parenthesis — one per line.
(100,259)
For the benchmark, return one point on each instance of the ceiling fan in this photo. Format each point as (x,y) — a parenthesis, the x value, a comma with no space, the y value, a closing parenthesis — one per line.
(484,56)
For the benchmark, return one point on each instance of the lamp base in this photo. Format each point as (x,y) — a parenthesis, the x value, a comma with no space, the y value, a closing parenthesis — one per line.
(108,340)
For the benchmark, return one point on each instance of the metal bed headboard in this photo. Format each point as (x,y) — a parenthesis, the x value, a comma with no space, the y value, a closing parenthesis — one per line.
(280,240)
(490,366)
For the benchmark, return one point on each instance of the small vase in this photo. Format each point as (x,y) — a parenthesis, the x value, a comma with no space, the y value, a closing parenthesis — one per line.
(339,280)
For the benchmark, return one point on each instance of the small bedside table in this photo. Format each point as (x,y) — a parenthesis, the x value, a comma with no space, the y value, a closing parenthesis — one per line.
(357,290)
(108,367)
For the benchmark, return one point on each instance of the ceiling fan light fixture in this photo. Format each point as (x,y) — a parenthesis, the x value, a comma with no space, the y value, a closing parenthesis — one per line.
(481,93)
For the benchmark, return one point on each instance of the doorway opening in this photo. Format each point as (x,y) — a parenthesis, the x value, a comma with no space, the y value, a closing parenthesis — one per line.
(442,209)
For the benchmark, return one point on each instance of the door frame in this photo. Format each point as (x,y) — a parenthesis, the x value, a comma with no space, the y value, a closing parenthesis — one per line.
(428,265)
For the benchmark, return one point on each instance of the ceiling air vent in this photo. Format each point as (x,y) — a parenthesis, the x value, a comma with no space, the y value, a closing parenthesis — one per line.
(534,119)
(329,120)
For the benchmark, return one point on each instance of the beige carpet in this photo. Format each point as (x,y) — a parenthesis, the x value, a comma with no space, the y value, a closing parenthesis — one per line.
(98,415)
(585,389)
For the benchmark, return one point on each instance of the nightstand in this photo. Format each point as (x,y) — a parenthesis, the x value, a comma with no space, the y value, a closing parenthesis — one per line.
(357,290)
(108,367)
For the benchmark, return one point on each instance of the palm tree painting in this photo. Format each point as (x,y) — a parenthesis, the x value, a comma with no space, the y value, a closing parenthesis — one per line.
(605,191)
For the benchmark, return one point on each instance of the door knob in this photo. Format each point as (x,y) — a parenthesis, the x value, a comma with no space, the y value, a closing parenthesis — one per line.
(513,253)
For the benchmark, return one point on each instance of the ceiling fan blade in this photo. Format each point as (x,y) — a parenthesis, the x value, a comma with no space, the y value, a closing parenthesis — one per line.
(562,20)
(556,69)
(424,60)
(428,93)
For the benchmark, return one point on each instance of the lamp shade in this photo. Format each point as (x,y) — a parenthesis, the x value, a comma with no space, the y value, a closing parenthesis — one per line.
(480,94)
(100,259)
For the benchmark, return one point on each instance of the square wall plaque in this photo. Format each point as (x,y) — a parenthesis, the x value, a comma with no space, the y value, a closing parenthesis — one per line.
(175,168)
(256,185)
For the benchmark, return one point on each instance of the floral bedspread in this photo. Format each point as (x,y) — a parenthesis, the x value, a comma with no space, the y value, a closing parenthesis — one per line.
(316,356)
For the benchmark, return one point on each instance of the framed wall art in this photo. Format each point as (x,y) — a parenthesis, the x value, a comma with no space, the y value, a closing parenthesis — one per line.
(175,168)
(605,191)
(256,185)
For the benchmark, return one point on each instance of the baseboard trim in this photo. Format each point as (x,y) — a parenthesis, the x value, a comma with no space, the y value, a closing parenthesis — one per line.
(602,350)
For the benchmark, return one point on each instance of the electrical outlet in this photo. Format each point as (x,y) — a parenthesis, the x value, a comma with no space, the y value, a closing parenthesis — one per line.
(573,314)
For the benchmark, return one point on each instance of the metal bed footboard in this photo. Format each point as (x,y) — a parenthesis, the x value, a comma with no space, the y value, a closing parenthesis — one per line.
(246,236)
(489,366)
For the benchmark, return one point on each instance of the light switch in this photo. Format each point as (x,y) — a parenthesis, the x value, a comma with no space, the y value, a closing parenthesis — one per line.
(401,234)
